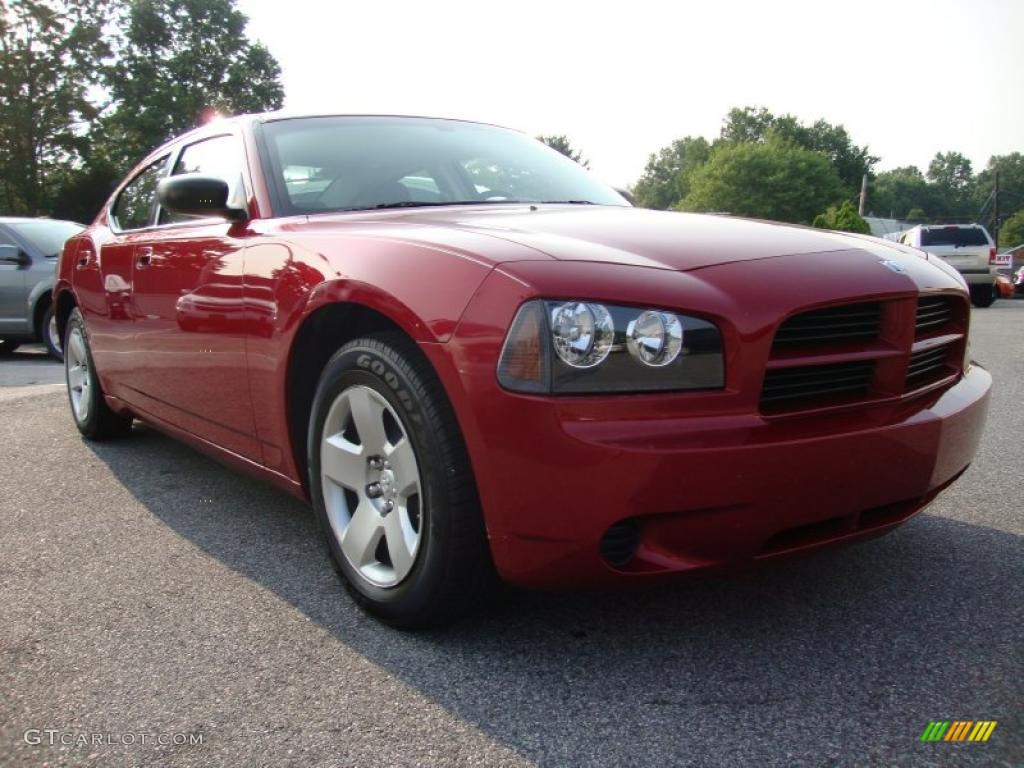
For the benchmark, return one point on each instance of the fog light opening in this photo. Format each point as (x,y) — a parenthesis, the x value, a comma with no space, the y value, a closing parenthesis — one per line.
(620,542)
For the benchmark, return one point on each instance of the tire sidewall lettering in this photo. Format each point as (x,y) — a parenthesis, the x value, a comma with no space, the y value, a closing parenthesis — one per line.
(384,372)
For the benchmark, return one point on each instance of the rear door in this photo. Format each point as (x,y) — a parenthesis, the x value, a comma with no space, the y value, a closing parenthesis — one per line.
(13,306)
(103,279)
(189,312)
(964,248)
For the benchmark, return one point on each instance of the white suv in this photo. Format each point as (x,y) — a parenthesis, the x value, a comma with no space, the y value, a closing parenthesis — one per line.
(968,248)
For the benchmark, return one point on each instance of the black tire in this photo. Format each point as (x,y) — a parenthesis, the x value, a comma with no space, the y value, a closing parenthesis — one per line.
(452,567)
(99,421)
(7,347)
(53,345)
(983,295)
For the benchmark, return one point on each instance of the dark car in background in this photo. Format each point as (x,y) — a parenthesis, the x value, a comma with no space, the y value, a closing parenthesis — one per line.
(28,255)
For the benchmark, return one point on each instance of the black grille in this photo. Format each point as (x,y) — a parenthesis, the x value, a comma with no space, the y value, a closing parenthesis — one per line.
(932,314)
(831,325)
(926,366)
(619,543)
(813,381)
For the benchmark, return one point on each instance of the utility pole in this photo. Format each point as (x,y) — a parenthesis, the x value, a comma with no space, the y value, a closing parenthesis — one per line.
(995,206)
(864,194)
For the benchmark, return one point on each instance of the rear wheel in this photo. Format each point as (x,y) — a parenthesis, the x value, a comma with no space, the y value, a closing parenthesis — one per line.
(983,295)
(49,333)
(392,486)
(93,417)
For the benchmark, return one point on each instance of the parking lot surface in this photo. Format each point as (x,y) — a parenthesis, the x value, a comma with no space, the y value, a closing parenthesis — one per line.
(147,590)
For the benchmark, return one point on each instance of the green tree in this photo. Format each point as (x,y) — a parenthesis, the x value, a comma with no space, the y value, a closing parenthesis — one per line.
(179,63)
(562,144)
(843,218)
(1011,186)
(666,179)
(774,180)
(893,194)
(915,215)
(49,56)
(952,177)
(1012,232)
(756,124)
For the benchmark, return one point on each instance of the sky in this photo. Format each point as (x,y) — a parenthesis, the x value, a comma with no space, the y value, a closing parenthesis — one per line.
(623,79)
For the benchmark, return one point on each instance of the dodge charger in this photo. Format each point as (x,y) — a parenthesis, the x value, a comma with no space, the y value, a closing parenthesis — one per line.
(479,363)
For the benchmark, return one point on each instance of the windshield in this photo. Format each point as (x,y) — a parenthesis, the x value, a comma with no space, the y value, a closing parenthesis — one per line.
(359,163)
(47,236)
(955,236)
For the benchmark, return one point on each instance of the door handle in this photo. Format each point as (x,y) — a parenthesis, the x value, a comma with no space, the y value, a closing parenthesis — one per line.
(86,258)
(144,256)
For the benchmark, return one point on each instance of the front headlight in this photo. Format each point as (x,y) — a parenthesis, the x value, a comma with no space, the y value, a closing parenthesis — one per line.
(582,346)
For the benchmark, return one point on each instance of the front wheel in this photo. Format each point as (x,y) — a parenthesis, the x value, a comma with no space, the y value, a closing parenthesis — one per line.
(93,417)
(392,486)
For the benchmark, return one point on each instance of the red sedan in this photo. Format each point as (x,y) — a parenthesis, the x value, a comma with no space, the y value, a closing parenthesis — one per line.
(476,360)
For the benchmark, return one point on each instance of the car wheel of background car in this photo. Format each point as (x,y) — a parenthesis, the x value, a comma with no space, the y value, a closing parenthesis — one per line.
(8,347)
(392,485)
(983,295)
(50,334)
(92,415)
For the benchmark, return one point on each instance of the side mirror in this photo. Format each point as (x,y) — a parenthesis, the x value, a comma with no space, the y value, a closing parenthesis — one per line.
(194,194)
(12,254)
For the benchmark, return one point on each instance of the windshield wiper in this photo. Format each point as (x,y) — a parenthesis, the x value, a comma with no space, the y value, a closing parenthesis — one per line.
(567,202)
(431,203)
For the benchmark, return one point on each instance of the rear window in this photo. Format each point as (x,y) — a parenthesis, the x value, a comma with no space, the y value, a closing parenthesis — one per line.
(955,236)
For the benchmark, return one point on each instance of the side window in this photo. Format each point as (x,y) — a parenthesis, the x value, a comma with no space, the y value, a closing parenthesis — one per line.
(6,239)
(134,206)
(220,157)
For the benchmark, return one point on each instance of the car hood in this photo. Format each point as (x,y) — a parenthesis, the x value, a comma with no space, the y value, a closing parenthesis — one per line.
(630,236)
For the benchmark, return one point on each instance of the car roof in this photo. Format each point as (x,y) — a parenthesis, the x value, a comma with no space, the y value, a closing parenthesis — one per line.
(22,219)
(285,114)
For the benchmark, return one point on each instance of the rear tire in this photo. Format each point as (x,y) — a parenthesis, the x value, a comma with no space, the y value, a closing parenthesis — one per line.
(983,295)
(50,335)
(93,417)
(392,486)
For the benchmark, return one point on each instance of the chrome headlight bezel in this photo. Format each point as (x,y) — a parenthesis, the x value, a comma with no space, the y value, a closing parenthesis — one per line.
(534,358)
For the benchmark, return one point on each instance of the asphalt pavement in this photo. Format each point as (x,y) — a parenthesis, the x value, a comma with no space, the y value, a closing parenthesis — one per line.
(148,592)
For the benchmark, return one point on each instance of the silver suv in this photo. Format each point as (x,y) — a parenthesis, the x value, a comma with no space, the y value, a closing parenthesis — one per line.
(968,248)
(28,255)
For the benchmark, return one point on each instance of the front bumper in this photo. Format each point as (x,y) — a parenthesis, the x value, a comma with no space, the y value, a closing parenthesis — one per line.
(704,493)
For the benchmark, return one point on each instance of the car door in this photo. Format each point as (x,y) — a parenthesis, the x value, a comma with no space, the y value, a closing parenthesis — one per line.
(13,306)
(189,312)
(103,276)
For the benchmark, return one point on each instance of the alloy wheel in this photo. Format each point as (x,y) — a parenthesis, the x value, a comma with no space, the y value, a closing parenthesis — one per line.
(371,486)
(54,333)
(76,367)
